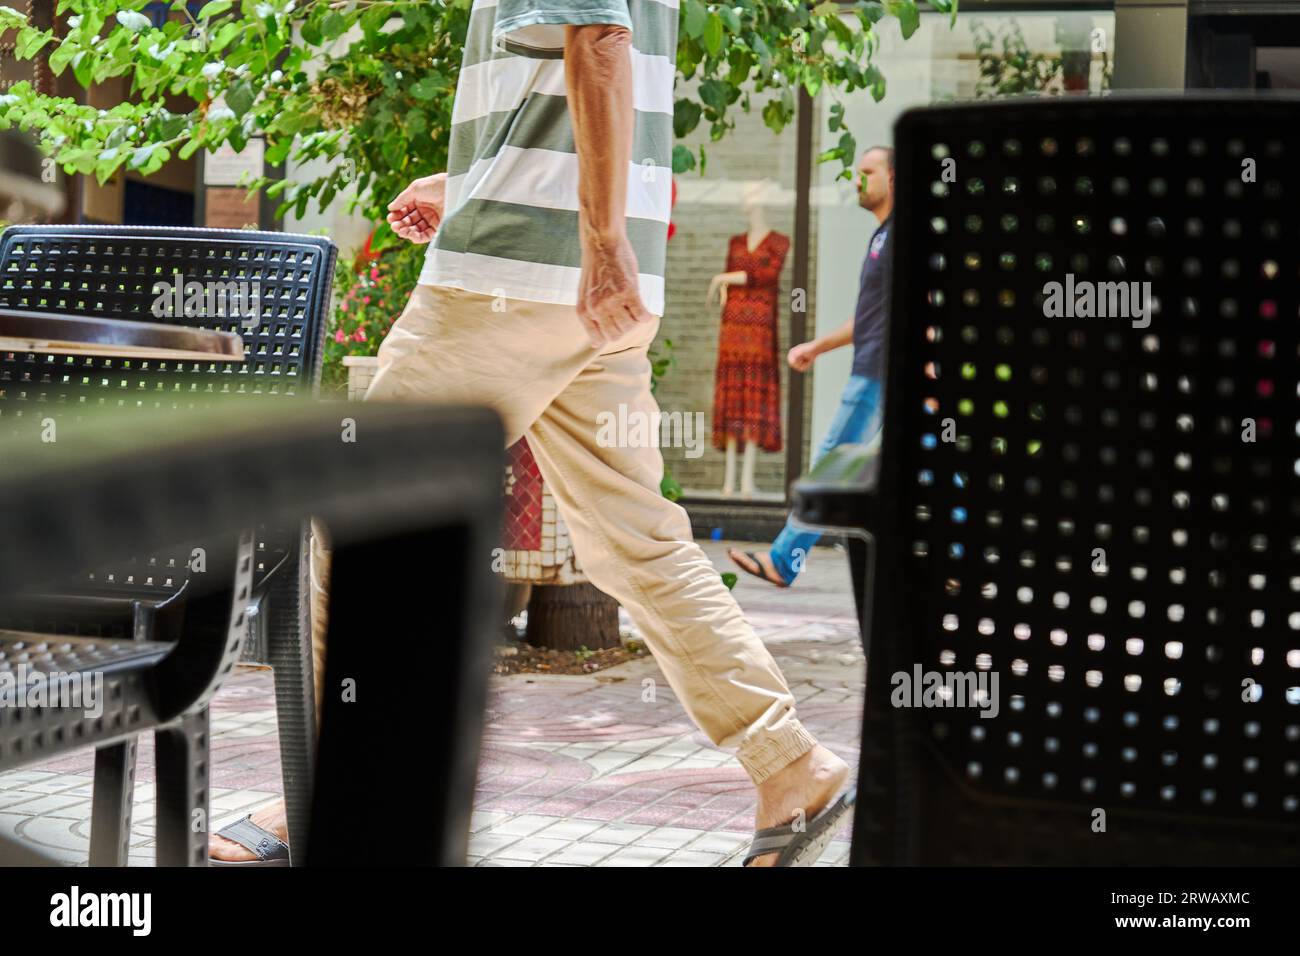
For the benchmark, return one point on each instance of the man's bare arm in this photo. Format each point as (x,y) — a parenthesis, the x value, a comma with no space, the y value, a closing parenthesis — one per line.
(802,356)
(837,339)
(598,74)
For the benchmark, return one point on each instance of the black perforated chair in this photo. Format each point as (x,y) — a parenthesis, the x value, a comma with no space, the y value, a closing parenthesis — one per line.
(1103,513)
(112,272)
(410,504)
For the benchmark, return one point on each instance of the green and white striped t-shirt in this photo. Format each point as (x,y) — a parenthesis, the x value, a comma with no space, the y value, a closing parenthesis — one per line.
(511,222)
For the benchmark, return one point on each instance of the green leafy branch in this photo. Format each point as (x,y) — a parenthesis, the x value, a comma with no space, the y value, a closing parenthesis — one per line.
(769,49)
(367,86)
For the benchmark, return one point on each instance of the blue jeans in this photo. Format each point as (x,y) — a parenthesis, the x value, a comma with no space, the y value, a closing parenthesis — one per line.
(856,421)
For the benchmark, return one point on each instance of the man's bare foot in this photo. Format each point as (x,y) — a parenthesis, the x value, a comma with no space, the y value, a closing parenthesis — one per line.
(806,785)
(270,817)
(759,564)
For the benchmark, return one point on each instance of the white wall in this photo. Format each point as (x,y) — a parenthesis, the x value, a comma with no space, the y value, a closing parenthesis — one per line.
(937,63)
(347,229)
(843,227)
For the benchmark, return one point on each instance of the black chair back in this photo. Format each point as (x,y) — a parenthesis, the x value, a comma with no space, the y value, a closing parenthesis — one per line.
(1089,489)
(141,274)
(412,666)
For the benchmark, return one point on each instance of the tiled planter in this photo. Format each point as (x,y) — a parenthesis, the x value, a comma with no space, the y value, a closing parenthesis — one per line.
(536,542)
(537,553)
(361,370)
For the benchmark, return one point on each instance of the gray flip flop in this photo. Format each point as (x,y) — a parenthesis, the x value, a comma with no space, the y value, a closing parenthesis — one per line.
(270,849)
(761,573)
(802,847)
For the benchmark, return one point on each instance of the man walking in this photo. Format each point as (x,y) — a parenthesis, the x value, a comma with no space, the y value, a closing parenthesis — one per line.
(540,296)
(858,417)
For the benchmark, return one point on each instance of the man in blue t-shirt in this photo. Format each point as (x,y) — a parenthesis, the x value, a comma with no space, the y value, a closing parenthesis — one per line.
(858,417)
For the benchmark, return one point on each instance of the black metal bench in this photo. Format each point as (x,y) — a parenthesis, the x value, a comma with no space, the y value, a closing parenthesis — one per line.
(112,272)
(407,516)
(1101,511)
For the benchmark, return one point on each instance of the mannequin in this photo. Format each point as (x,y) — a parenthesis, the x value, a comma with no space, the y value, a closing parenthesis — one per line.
(747,411)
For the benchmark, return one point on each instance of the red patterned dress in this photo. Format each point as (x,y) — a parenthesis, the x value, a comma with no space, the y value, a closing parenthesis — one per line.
(747,387)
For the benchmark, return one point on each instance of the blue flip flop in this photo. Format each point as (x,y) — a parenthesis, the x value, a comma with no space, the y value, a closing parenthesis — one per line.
(801,845)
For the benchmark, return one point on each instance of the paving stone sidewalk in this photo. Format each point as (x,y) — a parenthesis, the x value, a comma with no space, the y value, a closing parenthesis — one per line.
(602,769)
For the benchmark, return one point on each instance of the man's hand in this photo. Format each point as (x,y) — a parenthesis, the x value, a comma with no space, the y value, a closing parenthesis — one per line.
(416,214)
(609,292)
(801,356)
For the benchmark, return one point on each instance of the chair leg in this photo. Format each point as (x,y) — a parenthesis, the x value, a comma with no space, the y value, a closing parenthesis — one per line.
(182,791)
(858,570)
(110,818)
(390,702)
(290,651)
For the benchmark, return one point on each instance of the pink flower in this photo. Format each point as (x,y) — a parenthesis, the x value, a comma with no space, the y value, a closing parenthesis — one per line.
(359,335)
(339,336)
(366,300)
(374,272)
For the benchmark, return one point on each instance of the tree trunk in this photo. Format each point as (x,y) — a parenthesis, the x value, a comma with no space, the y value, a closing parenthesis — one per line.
(570,617)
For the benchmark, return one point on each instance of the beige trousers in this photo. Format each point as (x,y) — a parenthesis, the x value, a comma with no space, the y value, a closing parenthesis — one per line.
(532,362)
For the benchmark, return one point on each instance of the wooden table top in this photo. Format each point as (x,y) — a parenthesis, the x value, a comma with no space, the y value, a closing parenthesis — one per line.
(89,335)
